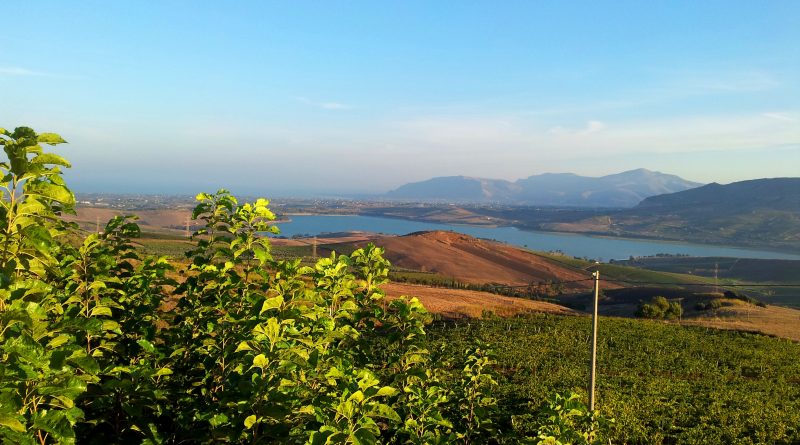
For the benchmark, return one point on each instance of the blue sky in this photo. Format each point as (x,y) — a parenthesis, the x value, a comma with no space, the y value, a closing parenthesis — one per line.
(283,98)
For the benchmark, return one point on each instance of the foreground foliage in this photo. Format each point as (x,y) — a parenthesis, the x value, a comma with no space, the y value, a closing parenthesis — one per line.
(101,344)
(665,384)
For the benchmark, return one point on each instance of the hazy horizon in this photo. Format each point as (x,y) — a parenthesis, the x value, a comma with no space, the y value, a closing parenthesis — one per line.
(338,98)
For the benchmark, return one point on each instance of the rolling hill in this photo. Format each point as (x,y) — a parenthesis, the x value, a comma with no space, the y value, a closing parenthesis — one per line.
(472,260)
(757,213)
(461,303)
(478,261)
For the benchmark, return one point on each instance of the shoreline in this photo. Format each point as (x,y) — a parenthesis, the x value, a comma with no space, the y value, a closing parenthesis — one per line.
(673,242)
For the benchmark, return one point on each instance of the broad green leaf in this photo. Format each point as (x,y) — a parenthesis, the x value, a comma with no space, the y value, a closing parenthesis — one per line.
(58,341)
(51,159)
(319,438)
(11,422)
(71,387)
(162,372)
(385,411)
(85,363)
(50,138)
(110,325)
(32,207)
(272,303)
(367,380)
(271,329)
(363,436)
(218,419)
(261,254)
(356,397)
(101,310)
(387,391)
(174,353)
(98,285)
(260,361)
(66,401)
(250,421)
(243,346)
(334,373)
(51,191)
(146,345)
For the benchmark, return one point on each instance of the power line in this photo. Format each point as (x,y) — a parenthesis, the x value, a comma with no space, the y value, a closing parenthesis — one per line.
(540,283)
(703,284)
(651,283)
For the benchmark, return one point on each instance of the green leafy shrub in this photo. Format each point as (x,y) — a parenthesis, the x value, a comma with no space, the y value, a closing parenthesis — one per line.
(562,420)
(746,298)
(660,308)
(46,364)
(710,305)
(651,311)
(252,350)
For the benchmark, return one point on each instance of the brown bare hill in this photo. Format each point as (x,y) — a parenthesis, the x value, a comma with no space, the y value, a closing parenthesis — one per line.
(460,303)
(161,220)
(476,261)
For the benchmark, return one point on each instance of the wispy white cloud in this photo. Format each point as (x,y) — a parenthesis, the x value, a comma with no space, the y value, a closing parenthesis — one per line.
(460,131)
(501,146)
(18,71)
(591,127)
(335,106)
(324,105)
(781,117)
(721,81)
(742,82)
(510,147)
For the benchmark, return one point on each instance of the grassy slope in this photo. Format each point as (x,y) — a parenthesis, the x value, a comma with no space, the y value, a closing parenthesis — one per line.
(734,271)
(662,382)
(461,303)
(612,272)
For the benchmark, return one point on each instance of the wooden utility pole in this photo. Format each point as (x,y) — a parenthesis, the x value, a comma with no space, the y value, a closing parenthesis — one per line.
(593,364)
(314,248)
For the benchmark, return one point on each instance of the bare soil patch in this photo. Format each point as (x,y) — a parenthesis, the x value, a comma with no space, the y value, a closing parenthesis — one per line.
(460,303)
(476,261)
(162,220)
(737,315)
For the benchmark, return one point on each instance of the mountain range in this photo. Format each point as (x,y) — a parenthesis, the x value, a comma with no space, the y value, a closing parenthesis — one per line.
(759,212)
(620,190)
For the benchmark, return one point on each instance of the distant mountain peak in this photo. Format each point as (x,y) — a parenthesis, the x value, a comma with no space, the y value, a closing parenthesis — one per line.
(625,189)
(640,170)
(549,174)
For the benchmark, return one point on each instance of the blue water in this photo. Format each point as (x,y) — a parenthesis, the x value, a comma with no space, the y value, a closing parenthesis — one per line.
(600,248)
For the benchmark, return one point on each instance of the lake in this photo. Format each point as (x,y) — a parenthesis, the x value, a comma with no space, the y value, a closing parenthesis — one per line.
(601,248)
